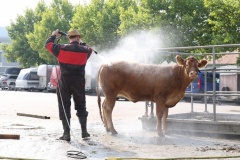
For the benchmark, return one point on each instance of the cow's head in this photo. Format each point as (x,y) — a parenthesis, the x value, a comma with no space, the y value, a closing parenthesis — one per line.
(191,65)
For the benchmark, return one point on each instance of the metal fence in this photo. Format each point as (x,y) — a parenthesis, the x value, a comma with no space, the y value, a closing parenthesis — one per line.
(214,94)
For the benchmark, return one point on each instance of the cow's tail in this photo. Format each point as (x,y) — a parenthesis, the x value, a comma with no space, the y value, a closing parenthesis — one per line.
(98,95)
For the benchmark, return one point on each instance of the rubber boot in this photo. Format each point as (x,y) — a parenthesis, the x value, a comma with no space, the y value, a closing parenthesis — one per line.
(83,123)
(66,133)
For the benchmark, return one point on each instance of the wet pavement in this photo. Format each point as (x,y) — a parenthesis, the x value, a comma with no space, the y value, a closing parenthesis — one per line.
(38,137)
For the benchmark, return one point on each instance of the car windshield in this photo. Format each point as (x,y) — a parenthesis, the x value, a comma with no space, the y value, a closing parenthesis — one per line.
(12,70)
(13,77)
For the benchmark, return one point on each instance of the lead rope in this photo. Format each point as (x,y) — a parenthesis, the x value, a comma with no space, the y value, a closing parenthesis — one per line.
(70,153)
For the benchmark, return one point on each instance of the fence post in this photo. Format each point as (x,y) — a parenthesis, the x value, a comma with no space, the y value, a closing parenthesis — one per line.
(214,85)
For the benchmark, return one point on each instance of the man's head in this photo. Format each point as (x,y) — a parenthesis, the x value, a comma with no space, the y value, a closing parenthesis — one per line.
(74,35)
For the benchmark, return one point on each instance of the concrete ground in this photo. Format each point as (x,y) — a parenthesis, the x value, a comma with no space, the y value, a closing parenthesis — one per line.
(38,136)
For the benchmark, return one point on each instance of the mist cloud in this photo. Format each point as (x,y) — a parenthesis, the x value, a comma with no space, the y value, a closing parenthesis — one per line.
(137,47)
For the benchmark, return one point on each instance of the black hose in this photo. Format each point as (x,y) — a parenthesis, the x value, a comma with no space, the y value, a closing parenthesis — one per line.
(76,154)
(62,33)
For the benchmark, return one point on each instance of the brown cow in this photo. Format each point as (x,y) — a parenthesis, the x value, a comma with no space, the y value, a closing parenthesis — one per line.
(164,85)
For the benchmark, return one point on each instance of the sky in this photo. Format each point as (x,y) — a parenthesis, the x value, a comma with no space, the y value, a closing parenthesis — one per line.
(9,9)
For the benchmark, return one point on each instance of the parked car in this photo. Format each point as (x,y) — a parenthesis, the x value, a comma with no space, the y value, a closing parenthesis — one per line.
(28,80)
(198,85)
(230,83)
(8,78)
(55,75)
(44,72)
(7,81)
(51,88)
(2,70)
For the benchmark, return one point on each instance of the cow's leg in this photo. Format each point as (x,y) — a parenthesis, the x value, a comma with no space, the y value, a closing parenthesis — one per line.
(104,116)
(160,107)
(164,121)
(110,102)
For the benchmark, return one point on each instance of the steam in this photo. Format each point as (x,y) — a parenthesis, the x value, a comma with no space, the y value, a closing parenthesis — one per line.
(137,47)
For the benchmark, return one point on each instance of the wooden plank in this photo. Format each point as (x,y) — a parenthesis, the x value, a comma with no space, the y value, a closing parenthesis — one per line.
(9,136)
(33,116)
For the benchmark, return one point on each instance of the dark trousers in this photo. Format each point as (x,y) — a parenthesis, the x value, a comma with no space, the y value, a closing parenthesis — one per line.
(69,87)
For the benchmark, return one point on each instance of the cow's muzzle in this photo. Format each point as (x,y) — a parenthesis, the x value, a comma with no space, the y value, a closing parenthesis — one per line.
(193,74)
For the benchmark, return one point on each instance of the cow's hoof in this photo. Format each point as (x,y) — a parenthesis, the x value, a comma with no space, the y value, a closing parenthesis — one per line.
(114,132)
(165,132)
(108,130)
(160,134)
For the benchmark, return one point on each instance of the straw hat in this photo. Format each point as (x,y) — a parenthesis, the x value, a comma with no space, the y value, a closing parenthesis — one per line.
(72,33)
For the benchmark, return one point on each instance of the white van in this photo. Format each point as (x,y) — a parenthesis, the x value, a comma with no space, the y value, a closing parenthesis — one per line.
(44,72)
(28,80)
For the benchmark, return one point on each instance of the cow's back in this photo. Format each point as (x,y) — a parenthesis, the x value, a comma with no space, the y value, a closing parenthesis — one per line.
(137,82)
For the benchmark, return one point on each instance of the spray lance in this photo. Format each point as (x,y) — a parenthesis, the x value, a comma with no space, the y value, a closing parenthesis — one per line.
(65,35)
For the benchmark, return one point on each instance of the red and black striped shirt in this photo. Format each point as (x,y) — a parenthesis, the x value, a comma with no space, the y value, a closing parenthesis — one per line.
(72,57)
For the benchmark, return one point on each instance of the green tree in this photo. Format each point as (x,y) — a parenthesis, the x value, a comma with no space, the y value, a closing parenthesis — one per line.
(177,22)
(133,19)
(86,23)
(103,23)
(57,16)
(19,50)
(108,21)
(224,18)
(99,22)
(185,22)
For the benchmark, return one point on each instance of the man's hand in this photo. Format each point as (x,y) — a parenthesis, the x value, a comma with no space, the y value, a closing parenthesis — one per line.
(56,33)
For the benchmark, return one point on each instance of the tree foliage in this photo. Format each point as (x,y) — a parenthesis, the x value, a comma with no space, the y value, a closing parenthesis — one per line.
(57,16)
(224,19)
(20,49)
(103,23)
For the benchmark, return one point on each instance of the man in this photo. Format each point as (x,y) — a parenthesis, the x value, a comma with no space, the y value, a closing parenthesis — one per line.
(72,59)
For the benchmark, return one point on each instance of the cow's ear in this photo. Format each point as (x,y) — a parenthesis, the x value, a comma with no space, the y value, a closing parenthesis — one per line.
(202,63)
(179,59)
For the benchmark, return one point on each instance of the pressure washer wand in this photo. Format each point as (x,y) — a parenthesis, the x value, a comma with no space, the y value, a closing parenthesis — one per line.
(62,33)
(95,51)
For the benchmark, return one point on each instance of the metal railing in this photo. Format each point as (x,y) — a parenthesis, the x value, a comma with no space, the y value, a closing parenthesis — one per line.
(213,69)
